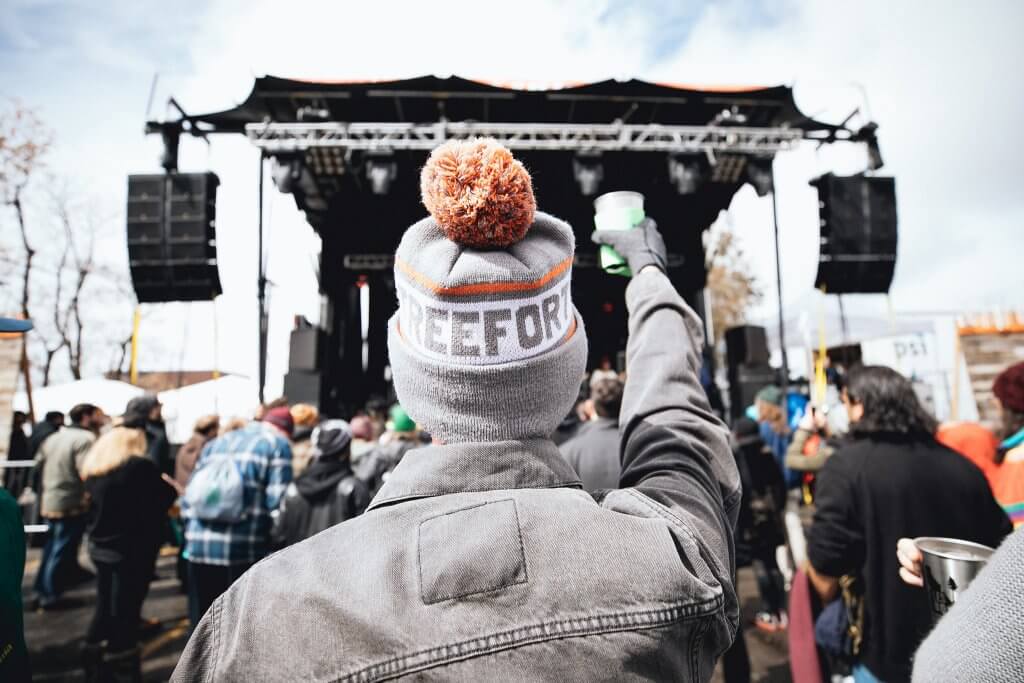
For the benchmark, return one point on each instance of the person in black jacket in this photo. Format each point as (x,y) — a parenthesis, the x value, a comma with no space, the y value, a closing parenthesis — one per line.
(50,425)
(891,479)
(129,502)
(145,412)
(760,529)
(326,493)
(16,478)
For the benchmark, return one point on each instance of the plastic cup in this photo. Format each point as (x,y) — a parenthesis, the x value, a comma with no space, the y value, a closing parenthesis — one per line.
(617,211)
(949,566)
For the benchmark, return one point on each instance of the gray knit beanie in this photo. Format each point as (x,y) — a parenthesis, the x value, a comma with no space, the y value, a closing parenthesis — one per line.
(486,344)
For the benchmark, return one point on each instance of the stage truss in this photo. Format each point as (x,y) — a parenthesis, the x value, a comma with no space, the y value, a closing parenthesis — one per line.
(278,138)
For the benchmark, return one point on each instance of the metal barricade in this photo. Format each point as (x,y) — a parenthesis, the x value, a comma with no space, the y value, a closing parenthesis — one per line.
(25,464)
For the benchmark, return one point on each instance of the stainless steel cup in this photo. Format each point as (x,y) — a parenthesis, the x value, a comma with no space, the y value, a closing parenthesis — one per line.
(949,566)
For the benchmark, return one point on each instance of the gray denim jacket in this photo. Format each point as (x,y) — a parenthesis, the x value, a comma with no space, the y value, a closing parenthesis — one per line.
(486,561)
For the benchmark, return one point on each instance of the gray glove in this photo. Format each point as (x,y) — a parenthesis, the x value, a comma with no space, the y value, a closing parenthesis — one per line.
(641,246)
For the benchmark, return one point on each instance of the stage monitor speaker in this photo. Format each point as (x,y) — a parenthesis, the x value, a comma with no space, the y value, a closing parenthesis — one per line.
(858,234)
(172,249)
(301,386)
(746,345)
(744,383)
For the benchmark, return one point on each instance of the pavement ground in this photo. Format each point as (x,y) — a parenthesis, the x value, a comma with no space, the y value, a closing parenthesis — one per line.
(55,637)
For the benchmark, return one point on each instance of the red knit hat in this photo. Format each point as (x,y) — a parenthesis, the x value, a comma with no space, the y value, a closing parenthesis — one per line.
(281,418)
(362,428)
(1009,388)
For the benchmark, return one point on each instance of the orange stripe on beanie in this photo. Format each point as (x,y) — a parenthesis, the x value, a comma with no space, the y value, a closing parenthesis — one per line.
(478,193)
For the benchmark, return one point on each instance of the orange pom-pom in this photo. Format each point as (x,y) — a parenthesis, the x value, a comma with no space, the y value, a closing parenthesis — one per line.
(478,193)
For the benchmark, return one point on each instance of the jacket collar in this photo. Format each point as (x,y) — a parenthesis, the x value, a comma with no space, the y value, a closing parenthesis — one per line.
(437,470)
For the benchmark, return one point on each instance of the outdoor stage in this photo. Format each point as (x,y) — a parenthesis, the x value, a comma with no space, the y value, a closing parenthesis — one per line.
(350,154)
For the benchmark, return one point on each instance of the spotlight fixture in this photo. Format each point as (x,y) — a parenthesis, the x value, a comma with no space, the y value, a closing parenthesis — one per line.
(381,171)
(286,172)
(759,175)
(588,171)
(687,171)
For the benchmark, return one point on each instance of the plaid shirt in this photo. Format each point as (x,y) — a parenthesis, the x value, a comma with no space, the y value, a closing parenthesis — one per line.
(265,460)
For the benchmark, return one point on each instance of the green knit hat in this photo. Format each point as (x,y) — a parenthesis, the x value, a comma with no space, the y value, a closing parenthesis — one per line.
(399,420)
(770,394)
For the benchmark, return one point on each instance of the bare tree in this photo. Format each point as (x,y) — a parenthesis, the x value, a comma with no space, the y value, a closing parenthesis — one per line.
(61,275)
(732,287)
(24,141)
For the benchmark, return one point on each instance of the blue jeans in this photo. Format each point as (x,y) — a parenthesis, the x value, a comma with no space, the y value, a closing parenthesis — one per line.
(861,674)
(60,557)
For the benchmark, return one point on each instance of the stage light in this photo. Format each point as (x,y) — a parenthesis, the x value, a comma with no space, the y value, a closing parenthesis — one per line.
(759,175)
(286,172)
(869,136)
(381,171)
(588,171)
(687,172)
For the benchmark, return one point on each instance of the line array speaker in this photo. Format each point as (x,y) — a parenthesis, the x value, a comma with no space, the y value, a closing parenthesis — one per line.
(172,249)
(858,233)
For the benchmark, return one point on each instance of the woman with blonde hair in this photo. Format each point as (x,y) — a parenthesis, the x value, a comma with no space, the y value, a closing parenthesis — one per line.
(306,417)
(129,502)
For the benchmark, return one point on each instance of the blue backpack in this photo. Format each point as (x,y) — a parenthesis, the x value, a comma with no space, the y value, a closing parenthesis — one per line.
(215,493)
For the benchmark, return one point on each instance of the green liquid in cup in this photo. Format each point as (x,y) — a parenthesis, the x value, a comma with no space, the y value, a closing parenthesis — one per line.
(618,211)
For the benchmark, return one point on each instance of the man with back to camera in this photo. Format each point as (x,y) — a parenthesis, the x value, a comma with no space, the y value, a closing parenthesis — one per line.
(594,451)
(481,558)
(64,503)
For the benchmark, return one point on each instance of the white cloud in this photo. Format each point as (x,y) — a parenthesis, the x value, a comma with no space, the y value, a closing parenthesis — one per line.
(934,77)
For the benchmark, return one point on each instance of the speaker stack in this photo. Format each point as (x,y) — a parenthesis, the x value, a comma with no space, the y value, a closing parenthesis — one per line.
(172,248)
(304,380)
(747,358)
(858,234)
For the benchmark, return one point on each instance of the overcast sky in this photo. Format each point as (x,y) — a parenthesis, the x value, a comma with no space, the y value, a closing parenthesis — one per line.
(939,78)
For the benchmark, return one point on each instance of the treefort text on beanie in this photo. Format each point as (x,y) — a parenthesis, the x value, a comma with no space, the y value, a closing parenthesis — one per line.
(482,330)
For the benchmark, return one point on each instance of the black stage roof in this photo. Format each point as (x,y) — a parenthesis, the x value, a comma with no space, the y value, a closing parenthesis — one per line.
(425,98)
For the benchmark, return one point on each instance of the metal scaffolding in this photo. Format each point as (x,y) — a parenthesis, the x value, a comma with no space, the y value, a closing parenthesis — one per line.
(275,138)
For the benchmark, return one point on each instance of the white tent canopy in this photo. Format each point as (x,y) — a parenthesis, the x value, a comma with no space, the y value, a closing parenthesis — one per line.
(110,395)
(227,396)
(804,330)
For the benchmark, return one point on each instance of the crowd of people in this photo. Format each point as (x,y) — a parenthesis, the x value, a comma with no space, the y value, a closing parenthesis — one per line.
(238,492)
(509,519)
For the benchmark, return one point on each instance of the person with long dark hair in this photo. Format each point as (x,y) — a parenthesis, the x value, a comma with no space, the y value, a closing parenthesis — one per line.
(130,498)
(891,479)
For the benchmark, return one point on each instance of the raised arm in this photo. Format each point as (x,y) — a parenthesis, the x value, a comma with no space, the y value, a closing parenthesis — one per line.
(674,450)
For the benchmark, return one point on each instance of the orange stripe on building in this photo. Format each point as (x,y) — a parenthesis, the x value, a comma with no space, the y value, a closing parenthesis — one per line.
(482,287)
